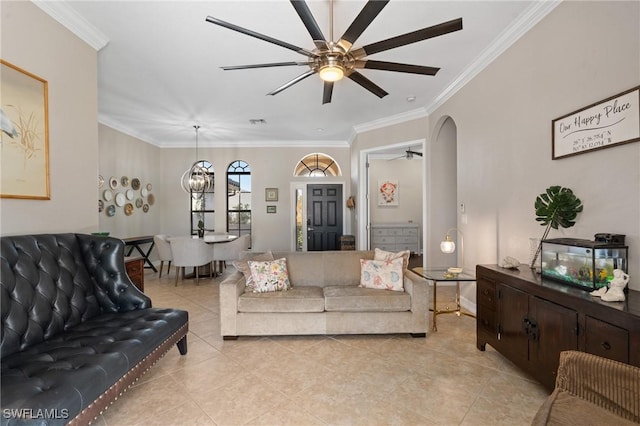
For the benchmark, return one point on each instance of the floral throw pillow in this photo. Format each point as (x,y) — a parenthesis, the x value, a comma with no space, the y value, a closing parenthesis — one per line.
(269,276)
(382,274)
(388,255)
(243,266)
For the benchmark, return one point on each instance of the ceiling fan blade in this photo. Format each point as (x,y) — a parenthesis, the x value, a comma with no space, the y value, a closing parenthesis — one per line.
(393,66)
(327,92)
(292,82)
(413,37)
(272,64)
(263,37)
(419,154)
(367,84)
(309,21)
(362,21)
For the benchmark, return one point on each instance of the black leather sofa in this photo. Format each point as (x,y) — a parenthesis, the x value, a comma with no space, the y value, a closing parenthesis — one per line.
(76,333)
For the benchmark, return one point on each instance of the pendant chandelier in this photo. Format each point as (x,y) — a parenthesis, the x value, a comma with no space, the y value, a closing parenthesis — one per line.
(197,180)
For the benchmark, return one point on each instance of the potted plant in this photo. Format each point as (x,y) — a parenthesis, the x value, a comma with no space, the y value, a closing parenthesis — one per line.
(557,207)
(200,228)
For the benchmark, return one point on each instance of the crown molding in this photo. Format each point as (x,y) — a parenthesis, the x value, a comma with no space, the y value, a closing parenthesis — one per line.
(527,20)
(263,144)
(74,22)
(389,121)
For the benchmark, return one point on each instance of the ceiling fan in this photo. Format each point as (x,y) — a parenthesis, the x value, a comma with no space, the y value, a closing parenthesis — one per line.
(333,60)
(408,154)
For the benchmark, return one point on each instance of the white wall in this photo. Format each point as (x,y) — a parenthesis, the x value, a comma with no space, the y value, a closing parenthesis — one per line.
(408,173)
(579,54)
(36,43)
(122,155)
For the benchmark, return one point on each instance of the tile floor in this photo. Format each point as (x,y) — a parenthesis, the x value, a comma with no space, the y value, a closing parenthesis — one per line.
(322,380)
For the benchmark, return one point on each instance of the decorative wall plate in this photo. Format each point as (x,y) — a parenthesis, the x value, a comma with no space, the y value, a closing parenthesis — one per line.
(124,181)
(100,181)
(100,206)
(151,199)
(107,195)
(139,202)
(144,192)
(111,210)
(149,187)
(135,183)
(120,199)
(145,208)
(113,182)
(129,194)
(128,209)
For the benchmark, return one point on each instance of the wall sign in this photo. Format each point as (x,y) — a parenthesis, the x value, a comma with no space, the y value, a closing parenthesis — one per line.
(613,121)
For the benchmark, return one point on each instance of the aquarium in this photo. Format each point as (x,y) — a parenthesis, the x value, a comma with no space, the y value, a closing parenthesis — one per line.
(583,263)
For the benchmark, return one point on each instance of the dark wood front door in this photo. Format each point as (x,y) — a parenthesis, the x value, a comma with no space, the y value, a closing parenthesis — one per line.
(324,217)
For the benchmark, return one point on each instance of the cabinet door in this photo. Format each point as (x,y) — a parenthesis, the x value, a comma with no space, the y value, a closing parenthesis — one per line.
(513,306)
(553,330)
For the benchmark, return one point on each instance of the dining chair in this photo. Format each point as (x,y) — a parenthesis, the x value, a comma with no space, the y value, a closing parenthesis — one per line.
(161,242)
(191,252)
(223,252)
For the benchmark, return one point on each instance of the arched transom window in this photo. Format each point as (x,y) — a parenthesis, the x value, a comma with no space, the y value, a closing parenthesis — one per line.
(317,164)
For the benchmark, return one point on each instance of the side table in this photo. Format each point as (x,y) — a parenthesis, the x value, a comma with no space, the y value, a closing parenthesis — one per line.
(135,270)
(437,275)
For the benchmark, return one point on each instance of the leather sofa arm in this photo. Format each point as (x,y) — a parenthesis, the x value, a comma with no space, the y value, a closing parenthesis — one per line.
(104,259)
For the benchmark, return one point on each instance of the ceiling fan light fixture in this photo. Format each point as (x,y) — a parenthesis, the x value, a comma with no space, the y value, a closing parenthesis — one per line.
(331,69)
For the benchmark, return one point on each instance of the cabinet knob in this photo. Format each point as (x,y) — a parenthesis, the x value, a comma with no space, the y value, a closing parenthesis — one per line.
(606,346)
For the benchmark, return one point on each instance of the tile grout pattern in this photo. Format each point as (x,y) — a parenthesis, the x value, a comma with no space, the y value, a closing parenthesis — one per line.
(442,379)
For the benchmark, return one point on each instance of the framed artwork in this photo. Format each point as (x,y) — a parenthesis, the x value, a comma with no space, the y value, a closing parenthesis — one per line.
(271,194)
(387,192)
(612,121)
(271,209)
(24,135)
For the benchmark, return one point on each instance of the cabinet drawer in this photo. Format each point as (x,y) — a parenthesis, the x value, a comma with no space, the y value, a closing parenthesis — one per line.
(383,240)
(606,340)
(486,293)
(379,231)
(386,247)
(486,319)
(410,231)
(410,247)
(407,240)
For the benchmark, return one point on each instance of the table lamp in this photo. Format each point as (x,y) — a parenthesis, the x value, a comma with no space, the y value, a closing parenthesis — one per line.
(448,246)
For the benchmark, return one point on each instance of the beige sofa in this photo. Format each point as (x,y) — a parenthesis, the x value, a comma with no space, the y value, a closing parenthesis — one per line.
(324,299)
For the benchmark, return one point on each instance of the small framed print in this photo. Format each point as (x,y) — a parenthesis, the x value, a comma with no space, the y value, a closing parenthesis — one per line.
(271,209)
(271,194)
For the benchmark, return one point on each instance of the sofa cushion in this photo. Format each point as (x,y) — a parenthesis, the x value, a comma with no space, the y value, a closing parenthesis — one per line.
(358,299)
(381,274)
(242,265)
(297,299)
(389,255)
(269,275)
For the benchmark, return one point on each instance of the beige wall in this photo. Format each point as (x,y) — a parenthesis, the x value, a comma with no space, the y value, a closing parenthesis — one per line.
(579,54)
(33,41)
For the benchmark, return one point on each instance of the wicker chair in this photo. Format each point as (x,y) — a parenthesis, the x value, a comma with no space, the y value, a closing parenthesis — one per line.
(591,390)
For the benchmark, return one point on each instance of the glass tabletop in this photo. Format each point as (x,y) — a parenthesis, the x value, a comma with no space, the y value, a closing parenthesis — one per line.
(441,274)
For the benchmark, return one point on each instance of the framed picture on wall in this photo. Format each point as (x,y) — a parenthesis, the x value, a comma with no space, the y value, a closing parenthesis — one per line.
(271,194)
(24,138)
(271,209)
(387,192)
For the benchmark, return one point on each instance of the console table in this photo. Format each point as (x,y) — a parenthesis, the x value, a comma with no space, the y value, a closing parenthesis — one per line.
(396,236)
(132,243)
(530,320)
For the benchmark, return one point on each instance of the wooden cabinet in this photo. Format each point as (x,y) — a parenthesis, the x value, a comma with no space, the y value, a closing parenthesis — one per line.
(530,321)
(396,237)
(135,270)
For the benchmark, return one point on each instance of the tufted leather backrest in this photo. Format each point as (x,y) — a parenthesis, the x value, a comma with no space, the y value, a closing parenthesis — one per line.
(51,282)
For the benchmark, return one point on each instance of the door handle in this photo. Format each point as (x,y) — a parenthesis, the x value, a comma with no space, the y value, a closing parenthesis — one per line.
(309,229)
